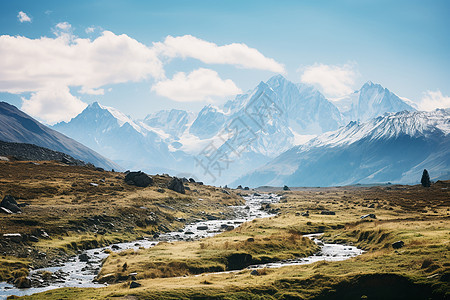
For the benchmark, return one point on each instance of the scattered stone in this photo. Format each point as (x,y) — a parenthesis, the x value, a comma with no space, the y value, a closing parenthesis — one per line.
(14,237)
(398,244)
(139,179)
(189,232)
(371,206)
(199,182)
(225,192)
(176,184)
(191,180)
(184,179)
(246,188)
(305,214)
(134,285)
(286,188)
(239,187)
(229,227)
(5,211)
(33,239)
(83,257)
(115,247)
(10,203)
(327,212)
(187,188)
(250,239)
(93,184)
(160,190)
(254,273)
(369,216)
(202,227)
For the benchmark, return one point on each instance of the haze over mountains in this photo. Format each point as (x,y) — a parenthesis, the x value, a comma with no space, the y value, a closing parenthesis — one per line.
(221,144)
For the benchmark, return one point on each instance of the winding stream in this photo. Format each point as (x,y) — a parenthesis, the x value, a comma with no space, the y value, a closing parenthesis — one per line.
(81,273)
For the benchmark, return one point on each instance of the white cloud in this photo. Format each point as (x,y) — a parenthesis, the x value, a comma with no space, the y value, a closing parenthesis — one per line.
(434,99)
(65,26)
(235,54)
(90,29)
(333,80)
(23,17)
(28,65)
(53,104)
(199,85)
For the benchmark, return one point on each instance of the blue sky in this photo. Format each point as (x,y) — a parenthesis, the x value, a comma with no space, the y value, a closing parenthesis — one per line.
(334,45)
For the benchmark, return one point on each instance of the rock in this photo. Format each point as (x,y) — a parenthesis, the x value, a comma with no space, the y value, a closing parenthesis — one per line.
(246,188)
(305,214)
(371,206)
(139,179)
(176,184)
(286,188)
(199,182)
(160,190)
(83,257)
(14,237)
(134,285)
(369,216)
(229,228)
(254,273)
(10,203)
(93,184)
(23,282)
(398,244)
(115,247)
(184,179)
(225,192)
(202,227)
(32,238)
(189,232)
(110,278)
(5,211)
(239,187)
(327,212)
(191,180)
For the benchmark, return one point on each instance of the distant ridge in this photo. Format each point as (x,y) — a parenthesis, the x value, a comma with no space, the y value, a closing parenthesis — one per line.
(18,127)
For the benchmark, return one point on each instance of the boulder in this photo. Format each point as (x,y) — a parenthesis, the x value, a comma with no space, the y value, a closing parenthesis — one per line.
(191,180)
(202,227)
(14,237)
(286,188)
(134,285)
(83,257)
(305,214)
(5,211)
(139,179)
(184,179)
(10,203)
(176,184)
(327,212)
(369,216)
(398,244)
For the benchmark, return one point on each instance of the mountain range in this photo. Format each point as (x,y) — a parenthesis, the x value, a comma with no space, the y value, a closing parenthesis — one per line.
(394,147)
(18,127)
(220,144)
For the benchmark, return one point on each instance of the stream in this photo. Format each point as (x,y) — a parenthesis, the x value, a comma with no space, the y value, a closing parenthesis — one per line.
(80,271)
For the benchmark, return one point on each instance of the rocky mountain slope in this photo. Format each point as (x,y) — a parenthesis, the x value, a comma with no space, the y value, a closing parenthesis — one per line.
(18,127)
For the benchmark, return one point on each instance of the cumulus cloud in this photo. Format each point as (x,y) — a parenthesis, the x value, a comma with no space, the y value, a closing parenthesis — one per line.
(28,65)
(53,104)
(234,54)
(434,99)
(333,80)
(199,85)
(90,29)
(23,17)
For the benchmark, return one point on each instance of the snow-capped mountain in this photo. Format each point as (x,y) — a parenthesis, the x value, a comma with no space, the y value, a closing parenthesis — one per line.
(370,101)
(219,144)
(391,148)
(115,135)
(18,127)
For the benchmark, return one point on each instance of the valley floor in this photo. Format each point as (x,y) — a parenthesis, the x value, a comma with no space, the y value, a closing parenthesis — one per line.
(418,268)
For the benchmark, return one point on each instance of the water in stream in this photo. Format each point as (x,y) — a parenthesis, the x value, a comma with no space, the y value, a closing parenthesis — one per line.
(76,273)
